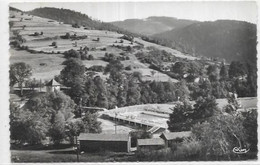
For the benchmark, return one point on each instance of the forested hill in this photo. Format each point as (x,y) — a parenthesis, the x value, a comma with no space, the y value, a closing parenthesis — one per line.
(72,17)
(14,9)
(231,40)
(152,25)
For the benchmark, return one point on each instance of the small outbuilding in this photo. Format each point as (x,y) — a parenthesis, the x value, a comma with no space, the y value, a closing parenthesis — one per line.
(96,142)
(174,137)
(52,85)
(154,143)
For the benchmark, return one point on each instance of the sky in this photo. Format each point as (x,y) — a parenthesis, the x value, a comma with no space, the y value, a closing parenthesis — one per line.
(118,11)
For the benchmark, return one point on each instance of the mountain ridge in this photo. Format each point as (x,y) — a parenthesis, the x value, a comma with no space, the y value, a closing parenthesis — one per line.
(232,40)
(152,25)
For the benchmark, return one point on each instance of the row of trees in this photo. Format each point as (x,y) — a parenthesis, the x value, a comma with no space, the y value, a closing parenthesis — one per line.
(120,89)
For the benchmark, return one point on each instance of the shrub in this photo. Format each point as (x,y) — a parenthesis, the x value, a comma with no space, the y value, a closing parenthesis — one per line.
(72,54)
(90,57)
(189,149)
(96,68)
(54,43)
(83,56)
(128,67)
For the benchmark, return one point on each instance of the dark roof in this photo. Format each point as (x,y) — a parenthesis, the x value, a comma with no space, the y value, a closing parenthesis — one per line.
(103,137)
(53,83)
(175,135)
(150,142)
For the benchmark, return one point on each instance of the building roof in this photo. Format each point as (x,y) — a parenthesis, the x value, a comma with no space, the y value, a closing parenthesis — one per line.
(103,137)
(175,135)
(150,142)
(53,83)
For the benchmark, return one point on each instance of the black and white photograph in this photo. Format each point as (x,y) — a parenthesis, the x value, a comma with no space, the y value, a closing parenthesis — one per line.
(132,81)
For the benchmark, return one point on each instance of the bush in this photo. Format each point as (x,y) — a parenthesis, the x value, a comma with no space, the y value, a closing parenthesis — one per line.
(83,56)
(36,34)
(128,67)
(96,68)
(90,57)
(54,43)
(72,54)
(187,150)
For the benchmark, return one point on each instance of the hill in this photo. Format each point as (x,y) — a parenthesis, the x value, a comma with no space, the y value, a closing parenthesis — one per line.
(75,18)
(32,38)
(14,9)
(152,25)
(230,40)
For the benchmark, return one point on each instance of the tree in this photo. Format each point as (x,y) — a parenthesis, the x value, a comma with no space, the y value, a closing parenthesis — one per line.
(236,69)
(72,54)
(252,80)
(74,70)
(233,104)
(179,118)
(219,135)
(250,125)
(182,92)
(74,127)
(54,43)
(223,72)
(27,126)
(204,107)
(91,124)
(19,72)
(213,73)
(133,93)
(57,130)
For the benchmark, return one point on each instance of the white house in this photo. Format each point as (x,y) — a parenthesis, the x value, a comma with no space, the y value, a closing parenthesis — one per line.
(52,85)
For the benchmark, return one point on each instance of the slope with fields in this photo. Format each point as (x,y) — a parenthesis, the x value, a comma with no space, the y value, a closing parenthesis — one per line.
(40,33)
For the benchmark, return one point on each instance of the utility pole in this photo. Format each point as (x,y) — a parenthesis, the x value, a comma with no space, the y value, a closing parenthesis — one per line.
(115,121)
(77,145)
(40,85)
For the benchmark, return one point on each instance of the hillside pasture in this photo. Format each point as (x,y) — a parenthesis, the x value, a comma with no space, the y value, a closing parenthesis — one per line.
(175,53)
(45,66)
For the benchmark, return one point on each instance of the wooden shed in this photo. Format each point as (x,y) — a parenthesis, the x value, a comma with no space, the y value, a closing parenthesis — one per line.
(174,137)
(154,143)
(96,142)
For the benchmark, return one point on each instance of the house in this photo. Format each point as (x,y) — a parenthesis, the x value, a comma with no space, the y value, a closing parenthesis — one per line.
(52,85)
(174,137)
(154,143)
(95,142)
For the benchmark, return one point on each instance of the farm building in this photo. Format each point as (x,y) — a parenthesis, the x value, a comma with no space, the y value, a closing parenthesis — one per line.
(52,85)
(154,143)
(174,137)
(95,142)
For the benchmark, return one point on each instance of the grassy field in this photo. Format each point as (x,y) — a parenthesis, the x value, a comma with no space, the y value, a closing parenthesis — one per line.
(64,155)
(52,63)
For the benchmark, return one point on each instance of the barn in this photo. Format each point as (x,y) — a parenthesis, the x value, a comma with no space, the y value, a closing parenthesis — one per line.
(154,143)
(90,142)
(174,137)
